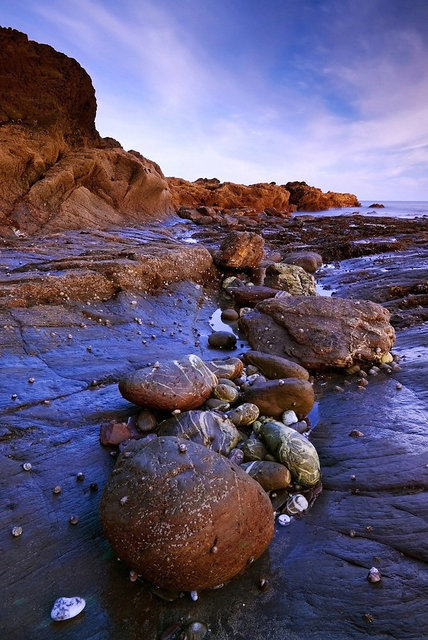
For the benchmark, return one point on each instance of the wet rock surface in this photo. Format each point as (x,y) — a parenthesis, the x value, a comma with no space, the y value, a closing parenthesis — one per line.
(371,512)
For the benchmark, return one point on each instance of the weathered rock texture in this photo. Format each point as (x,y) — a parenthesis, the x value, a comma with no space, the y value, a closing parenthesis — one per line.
(56,172)
(307,198)
(240,250)
(192,520)
(276,396)
(228,195)
(320,332)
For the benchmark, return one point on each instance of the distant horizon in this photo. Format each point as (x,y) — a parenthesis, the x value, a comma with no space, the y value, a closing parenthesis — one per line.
(333,93)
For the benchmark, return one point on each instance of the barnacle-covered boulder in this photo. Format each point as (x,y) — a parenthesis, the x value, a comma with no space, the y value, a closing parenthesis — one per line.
(291,449)
(184,520)
(175,384)
(211,429)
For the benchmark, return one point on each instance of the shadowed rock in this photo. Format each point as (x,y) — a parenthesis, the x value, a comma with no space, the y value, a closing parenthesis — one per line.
(274,367)
(191,519)
(275,396)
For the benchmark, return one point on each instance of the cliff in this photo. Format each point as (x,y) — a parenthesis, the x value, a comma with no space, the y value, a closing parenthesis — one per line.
(307,198)
(56,172)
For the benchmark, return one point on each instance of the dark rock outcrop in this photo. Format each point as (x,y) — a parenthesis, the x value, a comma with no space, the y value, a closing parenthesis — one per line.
(56,172)
(184,519)
(307,198)
(320,332)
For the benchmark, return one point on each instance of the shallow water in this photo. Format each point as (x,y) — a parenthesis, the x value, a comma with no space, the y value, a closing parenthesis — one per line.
(393,208)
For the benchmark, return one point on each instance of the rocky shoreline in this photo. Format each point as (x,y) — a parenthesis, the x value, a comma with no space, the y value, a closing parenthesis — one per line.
(174,340)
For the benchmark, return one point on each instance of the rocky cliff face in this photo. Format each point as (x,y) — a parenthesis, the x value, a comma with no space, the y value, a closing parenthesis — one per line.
(228,195)
(307,198)
(56,172)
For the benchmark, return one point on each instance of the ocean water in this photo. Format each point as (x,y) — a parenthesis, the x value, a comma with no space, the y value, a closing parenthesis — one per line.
(393,208)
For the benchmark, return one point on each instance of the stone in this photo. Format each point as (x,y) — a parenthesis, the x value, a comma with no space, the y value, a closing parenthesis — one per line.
(244,414)
(289,418)
(250,296)
(226,393)
(113,433)
(182,505)
(293,450)
(253,449)
(290,278)
(222,340)
(229,368)
(240,250)
(229,315)
(144,422)
(271,475)
(208,428)
(176,384)
(308,260)
(66,608)
(275,367)
(273,397)
(320,332)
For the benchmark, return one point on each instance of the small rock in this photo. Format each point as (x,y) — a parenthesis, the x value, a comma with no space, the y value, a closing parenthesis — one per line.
(16,532)
(356,434)
(244,414)
(398,386)
(229,315)
(195,630)
(236,456)
(80,476)
(217,405)
(66,608)
(289,417)
(74,520)
(225,392)
(27,466)
(222,340)
(56,490)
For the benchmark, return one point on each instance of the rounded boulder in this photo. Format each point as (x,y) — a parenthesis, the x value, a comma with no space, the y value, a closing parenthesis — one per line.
(185,518)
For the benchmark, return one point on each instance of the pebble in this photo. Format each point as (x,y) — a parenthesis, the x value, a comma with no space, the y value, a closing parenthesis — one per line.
(74,520)
(27,466)
(229,315)
(66,608)
(195,631)
(296,504)
(194,595)
(356,434)
(16,532)
(56,490)
(289,417)
(222,340)
(225,392)
(398,386)
(374,575)
(80,476)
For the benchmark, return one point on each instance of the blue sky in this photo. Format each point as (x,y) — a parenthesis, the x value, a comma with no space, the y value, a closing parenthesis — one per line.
(333,92)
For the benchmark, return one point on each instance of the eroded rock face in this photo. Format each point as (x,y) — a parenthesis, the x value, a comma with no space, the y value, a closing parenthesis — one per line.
(191,519)
(175,384)
(240,250)
(307,198)
(228,195)
(320,332)
(207,428)
(56,171)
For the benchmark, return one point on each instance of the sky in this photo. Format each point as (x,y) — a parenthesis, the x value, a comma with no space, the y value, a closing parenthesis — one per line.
(332,92)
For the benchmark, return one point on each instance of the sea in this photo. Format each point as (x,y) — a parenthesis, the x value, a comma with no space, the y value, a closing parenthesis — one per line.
(392,208)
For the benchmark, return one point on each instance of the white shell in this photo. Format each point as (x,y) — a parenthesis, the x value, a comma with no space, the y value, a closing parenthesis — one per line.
(297,504)
(66,608)
(374,575)
(284,520)
(289,417)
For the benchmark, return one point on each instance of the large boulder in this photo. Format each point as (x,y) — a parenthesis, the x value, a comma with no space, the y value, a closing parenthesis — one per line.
(175,384)
(240,250)
(320,332)
(56,172)
(184,519)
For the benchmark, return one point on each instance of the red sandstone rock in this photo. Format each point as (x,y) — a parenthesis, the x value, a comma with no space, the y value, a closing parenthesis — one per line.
(184,519)
(307,198)
(240,250)
(56,172)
